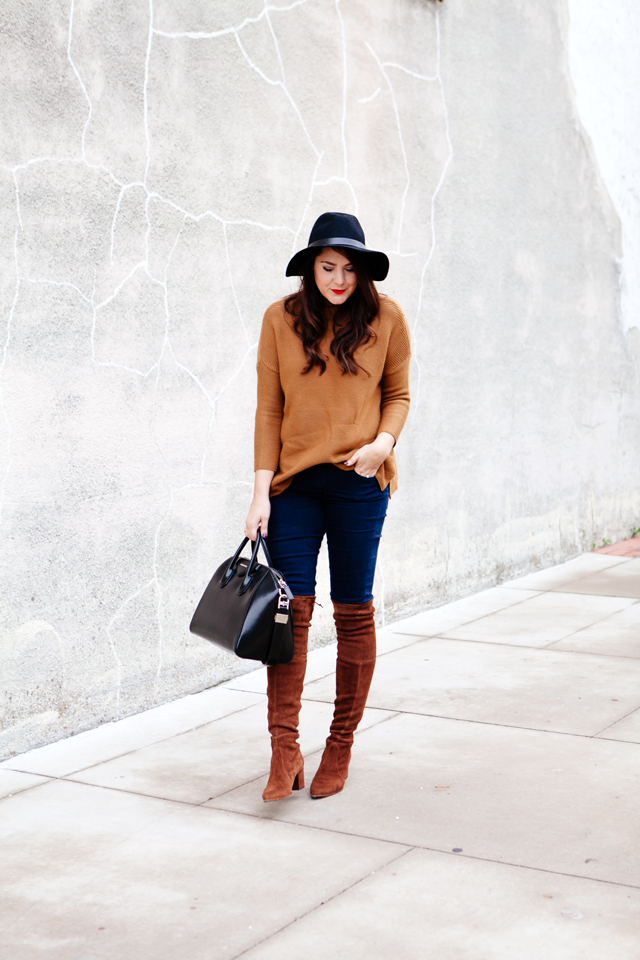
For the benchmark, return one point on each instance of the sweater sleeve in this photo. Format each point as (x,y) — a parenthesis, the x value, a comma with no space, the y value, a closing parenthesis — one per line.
(395,379)
(270,408)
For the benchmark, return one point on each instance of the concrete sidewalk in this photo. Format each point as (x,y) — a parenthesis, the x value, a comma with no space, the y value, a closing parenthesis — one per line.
(492,811)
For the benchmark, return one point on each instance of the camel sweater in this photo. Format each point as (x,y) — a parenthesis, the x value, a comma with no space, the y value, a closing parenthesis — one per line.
(306,419)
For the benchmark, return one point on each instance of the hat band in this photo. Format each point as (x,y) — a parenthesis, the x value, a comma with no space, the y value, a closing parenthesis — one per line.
(337,242)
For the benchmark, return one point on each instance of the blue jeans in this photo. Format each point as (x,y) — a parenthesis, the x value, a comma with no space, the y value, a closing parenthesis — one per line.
(349,509)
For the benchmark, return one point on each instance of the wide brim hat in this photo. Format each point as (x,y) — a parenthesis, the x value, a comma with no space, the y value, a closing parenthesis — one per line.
(338,230)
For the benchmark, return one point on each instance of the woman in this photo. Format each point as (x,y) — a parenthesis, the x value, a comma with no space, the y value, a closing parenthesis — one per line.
(333,396)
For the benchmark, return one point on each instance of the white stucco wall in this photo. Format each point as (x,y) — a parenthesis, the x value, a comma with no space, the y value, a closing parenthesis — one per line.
(159,163)
(604,59)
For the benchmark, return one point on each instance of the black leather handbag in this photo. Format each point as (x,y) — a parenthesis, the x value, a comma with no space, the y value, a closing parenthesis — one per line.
(247,609)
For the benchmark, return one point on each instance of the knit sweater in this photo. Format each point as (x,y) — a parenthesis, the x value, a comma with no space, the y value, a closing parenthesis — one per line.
(306,419)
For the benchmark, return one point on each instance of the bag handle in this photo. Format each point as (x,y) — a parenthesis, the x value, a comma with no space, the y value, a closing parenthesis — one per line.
(233,563)
(251,569)
(263,543)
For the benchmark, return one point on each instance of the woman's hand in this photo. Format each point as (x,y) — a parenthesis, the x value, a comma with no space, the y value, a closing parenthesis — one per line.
(367,460)
(258,516)
(260,509)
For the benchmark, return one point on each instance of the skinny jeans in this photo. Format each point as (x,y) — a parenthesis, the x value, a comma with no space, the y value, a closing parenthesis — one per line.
(349,509)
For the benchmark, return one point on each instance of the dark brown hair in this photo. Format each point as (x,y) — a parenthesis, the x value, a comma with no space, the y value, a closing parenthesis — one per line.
(351,321)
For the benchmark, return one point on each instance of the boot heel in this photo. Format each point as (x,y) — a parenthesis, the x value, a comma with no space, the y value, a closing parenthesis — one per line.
(298,783)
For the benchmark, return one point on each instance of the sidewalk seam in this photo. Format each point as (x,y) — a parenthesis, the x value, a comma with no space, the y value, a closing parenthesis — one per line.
(490,723)
(612,739)
(317,906)
(519,646)
(126,753)
(419,846)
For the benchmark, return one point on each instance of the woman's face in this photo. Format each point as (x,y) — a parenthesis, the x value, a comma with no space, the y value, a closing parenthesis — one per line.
(335,277)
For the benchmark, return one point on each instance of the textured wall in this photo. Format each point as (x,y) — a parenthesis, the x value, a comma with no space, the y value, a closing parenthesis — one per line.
(604,60)
(159,162)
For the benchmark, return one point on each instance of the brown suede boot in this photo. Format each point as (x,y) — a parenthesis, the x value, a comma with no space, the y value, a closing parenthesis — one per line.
(354,671)
(284,692)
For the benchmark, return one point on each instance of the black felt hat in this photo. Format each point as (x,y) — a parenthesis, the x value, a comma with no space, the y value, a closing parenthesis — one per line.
(338,230)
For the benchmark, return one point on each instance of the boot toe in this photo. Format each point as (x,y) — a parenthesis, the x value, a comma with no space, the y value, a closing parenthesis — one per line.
(325,790)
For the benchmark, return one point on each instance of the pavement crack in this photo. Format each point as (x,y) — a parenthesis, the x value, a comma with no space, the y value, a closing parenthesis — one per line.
(319,906)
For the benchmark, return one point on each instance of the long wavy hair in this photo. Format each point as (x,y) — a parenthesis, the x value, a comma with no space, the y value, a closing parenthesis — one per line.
(351,321)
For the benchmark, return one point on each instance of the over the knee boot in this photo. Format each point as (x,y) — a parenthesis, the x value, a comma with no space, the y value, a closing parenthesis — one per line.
(284,693)
(354,671)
